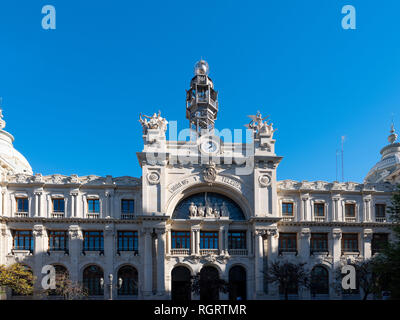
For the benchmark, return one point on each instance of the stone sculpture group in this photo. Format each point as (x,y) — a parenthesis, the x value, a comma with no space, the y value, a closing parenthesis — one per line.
(208,211)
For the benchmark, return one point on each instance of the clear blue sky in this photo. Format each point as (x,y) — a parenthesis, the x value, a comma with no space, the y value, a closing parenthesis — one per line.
(72,96)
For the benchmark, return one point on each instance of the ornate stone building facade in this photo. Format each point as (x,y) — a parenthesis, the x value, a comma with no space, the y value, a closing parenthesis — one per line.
(205,206)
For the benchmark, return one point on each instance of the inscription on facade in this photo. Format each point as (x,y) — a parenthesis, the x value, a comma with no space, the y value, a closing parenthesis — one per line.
(191,180)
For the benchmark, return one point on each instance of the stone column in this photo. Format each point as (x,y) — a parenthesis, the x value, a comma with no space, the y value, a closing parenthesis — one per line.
(168,241)
(305,213)
(304,247)
(367,209)
(160,262)
(248,241)
(258,262)
(38,253)
(74,203)
(273,251)
(367,243)
(147,262)
(335,208)
(75,249)
(38,195)
(109,253)
(197,241)
(221,240)
(226,233)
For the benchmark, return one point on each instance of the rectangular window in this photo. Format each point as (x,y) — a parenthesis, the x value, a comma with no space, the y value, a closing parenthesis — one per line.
(93,205)
(58,240)
(319,242)
(350,242)
(93,241)
(287,242)
(127,206)
(350,210)
(23,240)
(287,208)
(58,205)
(22,205)
(208,240)
(180,239)
(380,210)
(237,239)
(127,241)
(319,209)
(379,242)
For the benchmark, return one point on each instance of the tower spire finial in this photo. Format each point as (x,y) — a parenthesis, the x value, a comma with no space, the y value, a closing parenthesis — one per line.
(2,122)
(393,135)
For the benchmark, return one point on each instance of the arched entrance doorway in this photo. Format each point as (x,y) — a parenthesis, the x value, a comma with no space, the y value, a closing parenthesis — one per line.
(237,283)
(92,276)
(209,284)
(319,281)
(180,286)
(129,278)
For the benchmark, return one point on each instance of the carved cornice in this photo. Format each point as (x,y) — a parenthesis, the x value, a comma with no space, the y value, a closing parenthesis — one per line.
(58,179)
(291,185)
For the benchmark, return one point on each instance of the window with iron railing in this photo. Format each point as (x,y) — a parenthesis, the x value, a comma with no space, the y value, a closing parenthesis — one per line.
(128,241)
(379,242)
(93,241)
(287,242)
(350,242)
(319,242)
(23,240)
(58,240)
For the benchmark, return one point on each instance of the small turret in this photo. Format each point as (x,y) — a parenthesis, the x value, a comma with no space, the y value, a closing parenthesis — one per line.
(201,100)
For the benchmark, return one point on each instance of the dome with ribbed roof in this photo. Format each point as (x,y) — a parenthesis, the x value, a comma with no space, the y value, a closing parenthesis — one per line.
(11,161)
(389,162)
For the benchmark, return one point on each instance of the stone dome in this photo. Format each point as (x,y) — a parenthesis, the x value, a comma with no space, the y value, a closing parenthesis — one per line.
(11,160)
(389,162)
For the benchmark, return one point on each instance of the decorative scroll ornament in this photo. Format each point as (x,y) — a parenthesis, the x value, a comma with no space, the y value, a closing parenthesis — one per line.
(153,177)
(210,173)
(264,180)
(153,122)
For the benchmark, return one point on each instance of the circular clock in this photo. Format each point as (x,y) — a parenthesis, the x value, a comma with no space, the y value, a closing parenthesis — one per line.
(209,146)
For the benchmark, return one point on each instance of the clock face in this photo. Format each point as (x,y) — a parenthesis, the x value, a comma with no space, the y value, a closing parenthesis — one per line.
(209,146)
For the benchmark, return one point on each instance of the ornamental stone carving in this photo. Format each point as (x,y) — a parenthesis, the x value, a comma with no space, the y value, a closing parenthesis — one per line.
(153,122)
(337,234)
(368,234)
(153,177)
(264,180)
(210,173)
(305,233)
(38,230)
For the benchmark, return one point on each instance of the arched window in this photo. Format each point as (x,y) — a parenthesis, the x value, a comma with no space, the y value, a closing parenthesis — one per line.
(181,284)
(216,201)
(209,284)
(129,277)
(319,280)
(237,283)
(62,277)
(92,276)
